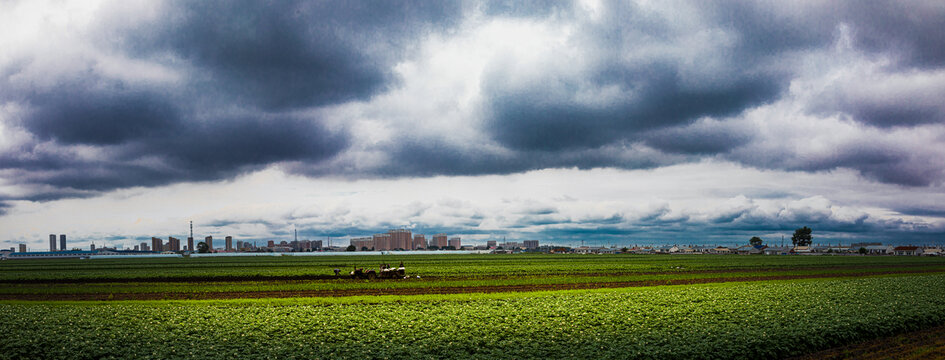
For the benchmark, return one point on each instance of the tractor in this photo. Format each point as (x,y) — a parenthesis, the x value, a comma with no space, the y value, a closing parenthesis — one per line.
(385,272)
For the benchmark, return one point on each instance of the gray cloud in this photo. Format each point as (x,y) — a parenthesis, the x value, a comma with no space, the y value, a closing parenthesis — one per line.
(636,88)
(656,90)
(699,138)
(661,96)
(932,211)
(214,149)
(75,114)
(246,63)
(292,53)
(910,32)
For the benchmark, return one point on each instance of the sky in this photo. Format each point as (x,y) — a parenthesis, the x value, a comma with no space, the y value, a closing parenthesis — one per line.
(595,122)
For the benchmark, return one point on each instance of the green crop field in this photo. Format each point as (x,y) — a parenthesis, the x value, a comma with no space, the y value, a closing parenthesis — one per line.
(423,265)
(464,306)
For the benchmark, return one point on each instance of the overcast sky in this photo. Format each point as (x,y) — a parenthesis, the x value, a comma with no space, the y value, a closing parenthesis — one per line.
(667,122)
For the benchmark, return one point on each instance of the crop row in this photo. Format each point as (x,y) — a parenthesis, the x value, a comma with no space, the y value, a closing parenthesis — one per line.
(738,320)
(423,265)
(345,283)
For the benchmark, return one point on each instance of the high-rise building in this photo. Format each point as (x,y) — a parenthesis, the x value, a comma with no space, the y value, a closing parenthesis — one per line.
(22,247)
(316,244)
(419,241)
(455,243)
(363,243)
(209,241)
(400,239)
(439,240)
(157,244)
(174,243)
(145,247)
(382,241)
(62,242)
(190,243)
(229,243)
(52,242)
(511,245)
(531,244)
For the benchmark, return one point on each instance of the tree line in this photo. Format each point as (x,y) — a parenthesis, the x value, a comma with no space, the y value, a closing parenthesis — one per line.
(802,237)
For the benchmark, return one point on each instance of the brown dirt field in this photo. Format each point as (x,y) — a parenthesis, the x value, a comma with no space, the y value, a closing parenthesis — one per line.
(925,344)
(429,290)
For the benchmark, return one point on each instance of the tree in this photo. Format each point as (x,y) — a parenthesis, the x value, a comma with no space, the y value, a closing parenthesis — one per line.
(755,241)
(863,251)
(202,247)
(351,248)
(802,237)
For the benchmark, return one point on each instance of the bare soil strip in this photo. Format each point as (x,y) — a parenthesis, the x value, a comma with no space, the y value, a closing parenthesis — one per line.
(925,344)
(428,290)
(237,278)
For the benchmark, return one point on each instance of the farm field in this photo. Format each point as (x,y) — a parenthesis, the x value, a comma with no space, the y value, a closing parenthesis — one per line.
(442,266)
(466,306)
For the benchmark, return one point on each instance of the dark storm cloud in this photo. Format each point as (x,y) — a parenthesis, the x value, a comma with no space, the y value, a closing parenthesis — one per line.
(244,63)
(196,151)
(661,98)
(659,91)
(909,35)
(247,69)
(892,99)
(215,146)
(905,112)
(933,211)
(698,138)
(910,31)
(543,117)
(887,162)
(290,54)
(74,115)
(432,157)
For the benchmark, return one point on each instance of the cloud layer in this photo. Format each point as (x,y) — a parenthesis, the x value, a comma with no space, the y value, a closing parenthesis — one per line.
(96,98)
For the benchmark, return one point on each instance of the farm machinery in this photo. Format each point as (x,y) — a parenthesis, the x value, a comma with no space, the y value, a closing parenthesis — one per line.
(384,272)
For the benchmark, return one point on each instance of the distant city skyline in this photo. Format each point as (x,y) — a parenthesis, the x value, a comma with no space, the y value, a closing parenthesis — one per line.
(620,123)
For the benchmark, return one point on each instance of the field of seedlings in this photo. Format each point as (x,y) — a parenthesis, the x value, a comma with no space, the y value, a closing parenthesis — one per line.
(464,306)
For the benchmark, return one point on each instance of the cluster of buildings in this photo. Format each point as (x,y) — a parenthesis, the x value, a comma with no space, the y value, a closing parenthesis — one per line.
(403,239)
(54,246)
(173,245)
(512,245)
(852,249)
(282,246)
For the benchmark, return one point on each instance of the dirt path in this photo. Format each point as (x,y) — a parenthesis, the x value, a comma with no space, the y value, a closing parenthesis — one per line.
(925,344)
(428,290)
